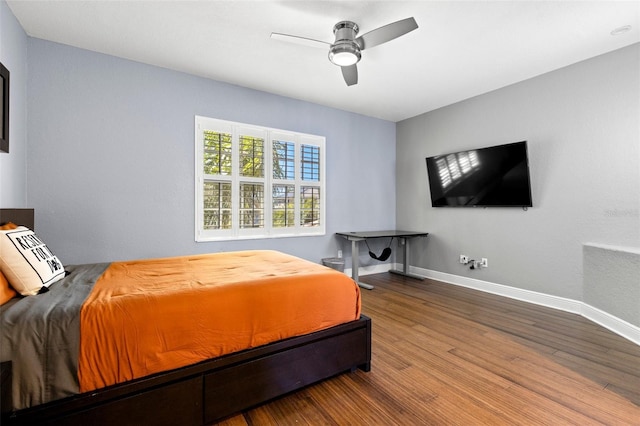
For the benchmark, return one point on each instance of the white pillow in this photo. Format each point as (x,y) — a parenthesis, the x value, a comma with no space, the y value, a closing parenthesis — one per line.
(27,262)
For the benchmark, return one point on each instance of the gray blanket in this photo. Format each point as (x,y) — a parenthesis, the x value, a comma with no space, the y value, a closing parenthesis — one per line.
(41,336)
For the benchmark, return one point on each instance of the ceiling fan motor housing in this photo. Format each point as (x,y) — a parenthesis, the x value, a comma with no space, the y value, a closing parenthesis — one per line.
(345,51)
(345,30)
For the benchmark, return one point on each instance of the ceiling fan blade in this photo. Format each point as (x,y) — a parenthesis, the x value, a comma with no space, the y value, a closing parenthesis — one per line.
(386,33)
(300,40)
(350,74)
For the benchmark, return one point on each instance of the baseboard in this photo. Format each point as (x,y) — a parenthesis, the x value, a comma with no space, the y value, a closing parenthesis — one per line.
(615,324)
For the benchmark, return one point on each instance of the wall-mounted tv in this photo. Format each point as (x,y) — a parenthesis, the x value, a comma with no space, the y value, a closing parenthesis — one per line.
(497,176)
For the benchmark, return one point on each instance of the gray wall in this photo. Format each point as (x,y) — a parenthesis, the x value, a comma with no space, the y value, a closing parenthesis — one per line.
(111,157)
(611,280)
(13,166)
(582,126)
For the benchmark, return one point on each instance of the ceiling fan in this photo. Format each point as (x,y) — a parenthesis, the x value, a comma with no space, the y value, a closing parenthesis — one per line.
(345,50)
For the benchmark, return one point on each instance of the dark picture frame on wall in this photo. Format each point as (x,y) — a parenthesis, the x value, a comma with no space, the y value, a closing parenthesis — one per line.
(4,112)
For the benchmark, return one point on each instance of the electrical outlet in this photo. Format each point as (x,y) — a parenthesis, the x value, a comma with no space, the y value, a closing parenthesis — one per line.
(464,259)
(340,254)
(484,262)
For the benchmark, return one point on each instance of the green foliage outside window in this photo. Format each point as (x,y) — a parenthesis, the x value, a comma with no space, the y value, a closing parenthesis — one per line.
(217,153)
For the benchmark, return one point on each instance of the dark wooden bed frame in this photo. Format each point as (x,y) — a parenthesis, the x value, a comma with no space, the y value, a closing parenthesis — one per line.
(209,391)
(212,390)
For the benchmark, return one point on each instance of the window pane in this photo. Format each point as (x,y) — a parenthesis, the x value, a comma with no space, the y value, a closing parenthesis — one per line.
(309,206)
(251,205)
(251,156)
(283,209)
(284,160)
(310,163)
(217,153)
(217,205)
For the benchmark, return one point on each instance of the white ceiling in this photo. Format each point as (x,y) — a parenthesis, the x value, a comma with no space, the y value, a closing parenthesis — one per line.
(460,50)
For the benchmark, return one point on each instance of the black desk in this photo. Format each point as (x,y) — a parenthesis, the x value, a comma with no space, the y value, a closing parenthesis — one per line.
(403,236)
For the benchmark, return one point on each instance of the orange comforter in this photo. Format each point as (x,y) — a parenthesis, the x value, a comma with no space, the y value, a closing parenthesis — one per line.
(148,316)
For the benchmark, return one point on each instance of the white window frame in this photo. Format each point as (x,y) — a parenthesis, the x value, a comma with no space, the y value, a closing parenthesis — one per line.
(269,135)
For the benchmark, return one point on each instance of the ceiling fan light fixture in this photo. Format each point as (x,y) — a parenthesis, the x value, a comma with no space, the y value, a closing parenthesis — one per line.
(345,54)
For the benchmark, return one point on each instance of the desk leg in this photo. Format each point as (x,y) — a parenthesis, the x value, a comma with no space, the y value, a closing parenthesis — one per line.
(355,260)
(405,267)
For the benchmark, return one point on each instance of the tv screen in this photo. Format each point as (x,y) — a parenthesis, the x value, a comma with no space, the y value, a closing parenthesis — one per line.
(496,176)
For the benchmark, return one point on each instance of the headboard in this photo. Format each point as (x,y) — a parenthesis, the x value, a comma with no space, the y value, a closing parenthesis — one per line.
(23,217)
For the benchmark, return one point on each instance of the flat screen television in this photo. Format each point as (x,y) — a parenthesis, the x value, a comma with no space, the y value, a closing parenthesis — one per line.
(497,176)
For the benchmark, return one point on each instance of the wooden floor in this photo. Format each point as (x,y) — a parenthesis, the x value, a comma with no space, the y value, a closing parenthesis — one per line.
(446,355)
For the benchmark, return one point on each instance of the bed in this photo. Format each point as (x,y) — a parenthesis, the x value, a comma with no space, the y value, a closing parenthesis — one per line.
(172,386)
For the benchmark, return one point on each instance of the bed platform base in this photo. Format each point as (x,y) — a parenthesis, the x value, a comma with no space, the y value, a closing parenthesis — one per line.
(215,389)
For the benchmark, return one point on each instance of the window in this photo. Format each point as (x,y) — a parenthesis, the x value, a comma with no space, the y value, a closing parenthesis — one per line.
(255,182)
